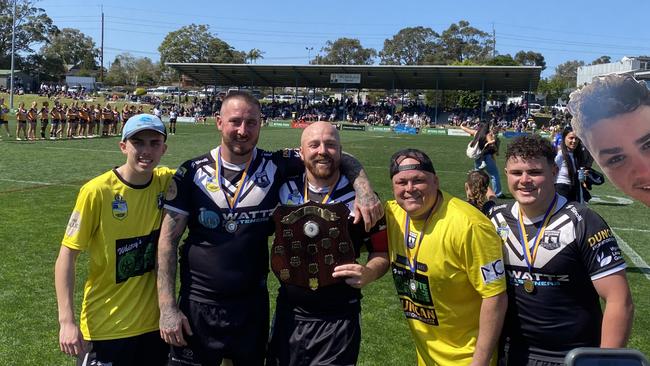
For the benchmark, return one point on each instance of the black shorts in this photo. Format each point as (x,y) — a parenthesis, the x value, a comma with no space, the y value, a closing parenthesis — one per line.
(144,349)
(323,340)
(3,122)
(44,122)
(235,329)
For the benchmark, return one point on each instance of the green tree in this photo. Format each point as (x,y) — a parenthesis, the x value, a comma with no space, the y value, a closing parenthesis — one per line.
(567,72)
(530,58)
(601,60)
(345,51)
(127,69)
(73,48)
(502,60)
(553,88)
(462,42)
(33,27)
(45,68)
(195,43)
(410,46)
(255,54)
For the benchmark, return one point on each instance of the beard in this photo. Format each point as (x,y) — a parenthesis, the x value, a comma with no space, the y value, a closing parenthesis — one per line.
(323,171)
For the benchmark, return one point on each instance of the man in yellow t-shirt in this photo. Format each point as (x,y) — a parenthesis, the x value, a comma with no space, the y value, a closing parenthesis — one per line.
(116,219)
(447,267)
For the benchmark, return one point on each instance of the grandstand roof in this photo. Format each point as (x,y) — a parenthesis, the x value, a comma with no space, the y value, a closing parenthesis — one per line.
(440,77)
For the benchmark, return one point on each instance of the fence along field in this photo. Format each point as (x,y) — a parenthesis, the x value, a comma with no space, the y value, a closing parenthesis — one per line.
(39,182)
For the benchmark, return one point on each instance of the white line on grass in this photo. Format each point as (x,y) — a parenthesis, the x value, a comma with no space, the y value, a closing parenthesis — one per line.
(631,229)
(38,183)
(80,149)
(634,256)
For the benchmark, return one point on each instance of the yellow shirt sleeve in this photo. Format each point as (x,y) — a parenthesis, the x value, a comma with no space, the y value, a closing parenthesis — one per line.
(83,220)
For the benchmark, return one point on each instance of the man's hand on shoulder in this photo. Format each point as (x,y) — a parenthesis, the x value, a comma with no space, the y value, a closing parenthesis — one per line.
(368,207)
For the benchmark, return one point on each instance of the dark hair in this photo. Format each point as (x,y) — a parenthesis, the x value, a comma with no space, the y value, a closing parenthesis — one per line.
(242,95)
(606,97)
(478,182)
(481,135)
(531,147)
(424,163)
(571,168)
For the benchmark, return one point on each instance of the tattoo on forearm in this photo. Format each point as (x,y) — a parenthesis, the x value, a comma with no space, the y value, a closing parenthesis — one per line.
(351,167)
(171,231)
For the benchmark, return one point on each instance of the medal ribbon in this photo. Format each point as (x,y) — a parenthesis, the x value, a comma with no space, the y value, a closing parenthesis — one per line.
(232,202)
(330,190)
(523,237)
(407,230)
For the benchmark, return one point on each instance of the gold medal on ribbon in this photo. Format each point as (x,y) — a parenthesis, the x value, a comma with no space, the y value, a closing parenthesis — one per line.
(529,286)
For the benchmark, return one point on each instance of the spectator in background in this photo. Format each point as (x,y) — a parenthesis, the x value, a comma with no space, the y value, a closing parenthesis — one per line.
(573,169)
(32,115)
(478,191)
(612,118)
(3,116)
(488,142)
(21,121)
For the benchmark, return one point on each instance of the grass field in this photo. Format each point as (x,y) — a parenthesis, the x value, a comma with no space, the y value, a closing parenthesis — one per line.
(40,180)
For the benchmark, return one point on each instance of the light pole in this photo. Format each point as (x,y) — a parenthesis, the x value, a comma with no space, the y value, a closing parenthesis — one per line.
(309,49)
(13,48)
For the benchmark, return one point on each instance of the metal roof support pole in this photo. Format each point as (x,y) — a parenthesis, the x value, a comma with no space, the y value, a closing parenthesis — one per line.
(295,95)
(392,90)
(482,107)
(435,116)
(528,97)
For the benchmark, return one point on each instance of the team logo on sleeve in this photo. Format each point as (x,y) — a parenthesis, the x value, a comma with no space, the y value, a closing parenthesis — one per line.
(503,230)
(119,207)
(261,179)
(180,172)
(172,191)
(492,271)
(73,224)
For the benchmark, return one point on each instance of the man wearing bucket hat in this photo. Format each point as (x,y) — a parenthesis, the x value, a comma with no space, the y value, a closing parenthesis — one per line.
(116,219)
(447,267)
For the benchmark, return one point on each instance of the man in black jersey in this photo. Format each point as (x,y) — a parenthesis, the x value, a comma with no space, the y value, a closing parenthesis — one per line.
(560,257)
(322,326)
(225,198)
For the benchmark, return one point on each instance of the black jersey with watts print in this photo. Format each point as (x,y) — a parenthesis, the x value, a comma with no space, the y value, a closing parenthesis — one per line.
(563,311)
(339,298)
(226,250)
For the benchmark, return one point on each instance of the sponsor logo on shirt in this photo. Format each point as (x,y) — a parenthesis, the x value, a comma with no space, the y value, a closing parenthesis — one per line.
(602,237)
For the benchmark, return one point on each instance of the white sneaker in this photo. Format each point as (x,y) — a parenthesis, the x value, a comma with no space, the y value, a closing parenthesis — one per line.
(482,166)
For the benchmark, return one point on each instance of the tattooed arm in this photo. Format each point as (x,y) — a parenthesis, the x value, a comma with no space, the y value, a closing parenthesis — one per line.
(366,204)
(172,321)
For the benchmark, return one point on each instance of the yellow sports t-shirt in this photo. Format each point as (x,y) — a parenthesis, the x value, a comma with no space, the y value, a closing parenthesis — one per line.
(459,262)
(118,224)
(3,108)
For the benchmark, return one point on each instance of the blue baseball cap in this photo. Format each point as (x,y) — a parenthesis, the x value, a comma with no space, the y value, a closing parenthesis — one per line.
(142,122)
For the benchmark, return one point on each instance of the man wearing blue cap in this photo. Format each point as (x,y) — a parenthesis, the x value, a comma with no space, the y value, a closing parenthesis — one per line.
(117,220)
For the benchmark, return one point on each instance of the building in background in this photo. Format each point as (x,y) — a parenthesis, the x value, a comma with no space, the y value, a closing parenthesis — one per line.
(639,67)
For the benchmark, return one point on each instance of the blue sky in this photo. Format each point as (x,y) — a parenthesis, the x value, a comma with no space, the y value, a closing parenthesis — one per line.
(284,30)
